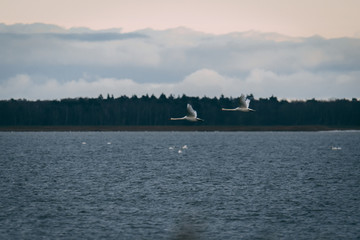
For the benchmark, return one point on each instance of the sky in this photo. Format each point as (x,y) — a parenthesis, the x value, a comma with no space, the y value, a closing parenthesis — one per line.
(54,49)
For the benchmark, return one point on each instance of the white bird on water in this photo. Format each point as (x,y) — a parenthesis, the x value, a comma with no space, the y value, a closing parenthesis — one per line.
(335,148)
(244,105)
(191,116)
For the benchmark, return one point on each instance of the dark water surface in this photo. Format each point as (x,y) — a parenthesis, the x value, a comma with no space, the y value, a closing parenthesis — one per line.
(138,185)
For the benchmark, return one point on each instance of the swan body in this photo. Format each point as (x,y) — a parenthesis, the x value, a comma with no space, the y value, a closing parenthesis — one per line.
(243,107)
(191,116)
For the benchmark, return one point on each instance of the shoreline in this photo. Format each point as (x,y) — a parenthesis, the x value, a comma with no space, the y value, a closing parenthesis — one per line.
(199,128)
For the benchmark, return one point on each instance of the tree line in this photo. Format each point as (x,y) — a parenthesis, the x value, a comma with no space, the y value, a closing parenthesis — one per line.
(151,111)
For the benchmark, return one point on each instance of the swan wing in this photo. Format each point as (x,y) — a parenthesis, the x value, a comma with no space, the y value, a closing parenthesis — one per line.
(191,111)
(242,101)
(247,101)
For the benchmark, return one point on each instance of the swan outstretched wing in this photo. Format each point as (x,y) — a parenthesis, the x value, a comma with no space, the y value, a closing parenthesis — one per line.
(243,103)
(247,101)
(191,111)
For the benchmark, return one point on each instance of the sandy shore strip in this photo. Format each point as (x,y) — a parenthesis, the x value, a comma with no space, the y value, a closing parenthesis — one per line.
(171,128)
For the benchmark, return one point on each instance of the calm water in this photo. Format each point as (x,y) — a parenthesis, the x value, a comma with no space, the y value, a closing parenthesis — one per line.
(221,185)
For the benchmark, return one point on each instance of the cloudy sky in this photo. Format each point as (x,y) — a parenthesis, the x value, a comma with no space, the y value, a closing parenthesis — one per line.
(82,48)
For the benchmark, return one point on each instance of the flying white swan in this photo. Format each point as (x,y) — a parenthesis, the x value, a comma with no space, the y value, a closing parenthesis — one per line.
(244,105)
(191,116)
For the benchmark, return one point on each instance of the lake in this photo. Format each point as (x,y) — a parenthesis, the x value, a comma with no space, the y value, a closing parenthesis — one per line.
(180,185)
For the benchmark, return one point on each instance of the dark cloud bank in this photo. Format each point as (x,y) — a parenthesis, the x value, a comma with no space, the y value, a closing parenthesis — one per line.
(40,61)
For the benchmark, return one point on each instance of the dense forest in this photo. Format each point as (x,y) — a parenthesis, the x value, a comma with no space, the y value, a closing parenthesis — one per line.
(153,111)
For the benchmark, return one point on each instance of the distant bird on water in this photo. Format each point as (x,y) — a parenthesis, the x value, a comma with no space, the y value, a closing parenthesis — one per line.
(244,105)
(191,116)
